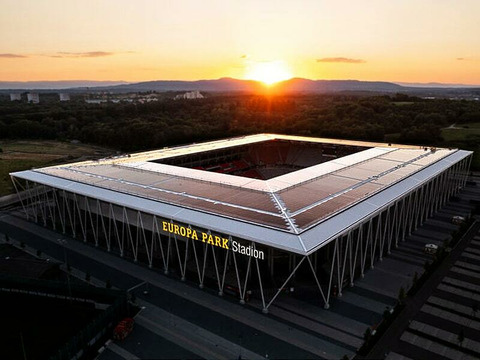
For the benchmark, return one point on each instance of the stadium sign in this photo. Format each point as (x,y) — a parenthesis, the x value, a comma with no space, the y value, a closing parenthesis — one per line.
(214,240)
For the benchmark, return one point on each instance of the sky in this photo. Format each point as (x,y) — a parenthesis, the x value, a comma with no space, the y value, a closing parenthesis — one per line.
(379,40)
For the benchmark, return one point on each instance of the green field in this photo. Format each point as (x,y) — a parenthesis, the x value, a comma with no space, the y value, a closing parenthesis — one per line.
(402,103)
(462,132)
(24,155)
(465,136)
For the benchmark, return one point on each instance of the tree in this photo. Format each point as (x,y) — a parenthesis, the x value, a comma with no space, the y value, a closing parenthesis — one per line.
(386,313)
(475,308)
(427,265)
(401,295)
(461,337)
(415,278)
(367,334)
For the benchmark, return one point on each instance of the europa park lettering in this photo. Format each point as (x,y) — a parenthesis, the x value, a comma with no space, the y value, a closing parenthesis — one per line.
(210,239)
(193,234)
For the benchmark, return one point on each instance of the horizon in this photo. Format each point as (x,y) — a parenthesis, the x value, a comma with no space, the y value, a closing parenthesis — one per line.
(266,41)
(75,83)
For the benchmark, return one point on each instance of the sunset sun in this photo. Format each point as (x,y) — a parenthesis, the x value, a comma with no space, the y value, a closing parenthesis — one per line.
(269,72)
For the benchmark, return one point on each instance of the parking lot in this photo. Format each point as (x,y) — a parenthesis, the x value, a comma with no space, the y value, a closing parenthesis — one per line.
(448,323)
(184,321)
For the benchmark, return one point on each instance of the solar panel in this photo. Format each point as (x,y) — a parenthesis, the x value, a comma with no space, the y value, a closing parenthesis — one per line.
(221,193)
(102,170)
(397,175)
(432,157)
(320,212)
(403,155)
(125,173)
(71,175)
(257,200)
(298,197)
(363,190)
(355,172)
(242,214)
(377,165)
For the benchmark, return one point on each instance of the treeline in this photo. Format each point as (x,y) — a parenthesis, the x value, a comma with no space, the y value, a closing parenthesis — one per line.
(128,127)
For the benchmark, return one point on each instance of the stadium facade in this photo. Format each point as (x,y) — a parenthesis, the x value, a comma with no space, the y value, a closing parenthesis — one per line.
(254,215)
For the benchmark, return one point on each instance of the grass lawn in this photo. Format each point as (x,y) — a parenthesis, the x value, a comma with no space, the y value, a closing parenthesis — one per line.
(24,154)
(462,132)
(400,103)
(465,136)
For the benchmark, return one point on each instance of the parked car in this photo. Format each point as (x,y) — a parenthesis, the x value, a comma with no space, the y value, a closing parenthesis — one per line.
(123,328)
(430,249)
(458,220)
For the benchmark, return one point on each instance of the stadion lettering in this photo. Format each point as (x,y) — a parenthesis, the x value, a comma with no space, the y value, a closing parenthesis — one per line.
(210,239)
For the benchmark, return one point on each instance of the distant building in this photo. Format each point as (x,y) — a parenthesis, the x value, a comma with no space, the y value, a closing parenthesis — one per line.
(95,101)
(190,95)
(146,98)
(64,97)
(15,97)
(33,98)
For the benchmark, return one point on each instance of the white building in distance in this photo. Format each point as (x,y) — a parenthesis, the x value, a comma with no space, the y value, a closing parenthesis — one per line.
(64,96)
(95,101)
(15,97)
(190,95)
(33,98)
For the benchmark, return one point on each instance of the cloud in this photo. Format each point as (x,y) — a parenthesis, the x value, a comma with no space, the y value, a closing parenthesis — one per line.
(341,60)
(88,54)
(12,56)
(468,59)
(66,54)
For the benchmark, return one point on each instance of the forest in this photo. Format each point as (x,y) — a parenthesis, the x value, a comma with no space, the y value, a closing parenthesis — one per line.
(127,127)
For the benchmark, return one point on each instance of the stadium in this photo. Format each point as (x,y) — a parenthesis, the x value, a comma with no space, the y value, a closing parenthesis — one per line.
(251,216)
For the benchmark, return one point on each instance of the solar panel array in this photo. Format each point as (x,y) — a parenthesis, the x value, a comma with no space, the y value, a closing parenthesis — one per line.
(294,208)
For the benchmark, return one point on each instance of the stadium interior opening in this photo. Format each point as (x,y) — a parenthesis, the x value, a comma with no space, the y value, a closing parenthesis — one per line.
(263,160)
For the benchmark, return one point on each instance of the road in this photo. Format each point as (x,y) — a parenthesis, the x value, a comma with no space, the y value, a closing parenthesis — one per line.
(238,330)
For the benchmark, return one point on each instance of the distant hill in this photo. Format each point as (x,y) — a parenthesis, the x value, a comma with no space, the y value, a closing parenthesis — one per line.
(219,85)
(55,85)
(324,86)
(234,85)
(438,85)
(229,85)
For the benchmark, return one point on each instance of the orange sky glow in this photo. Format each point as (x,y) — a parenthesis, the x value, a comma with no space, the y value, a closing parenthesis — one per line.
(403,41)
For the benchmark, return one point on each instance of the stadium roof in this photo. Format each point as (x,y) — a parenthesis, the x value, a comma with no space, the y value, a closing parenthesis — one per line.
(299,211)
